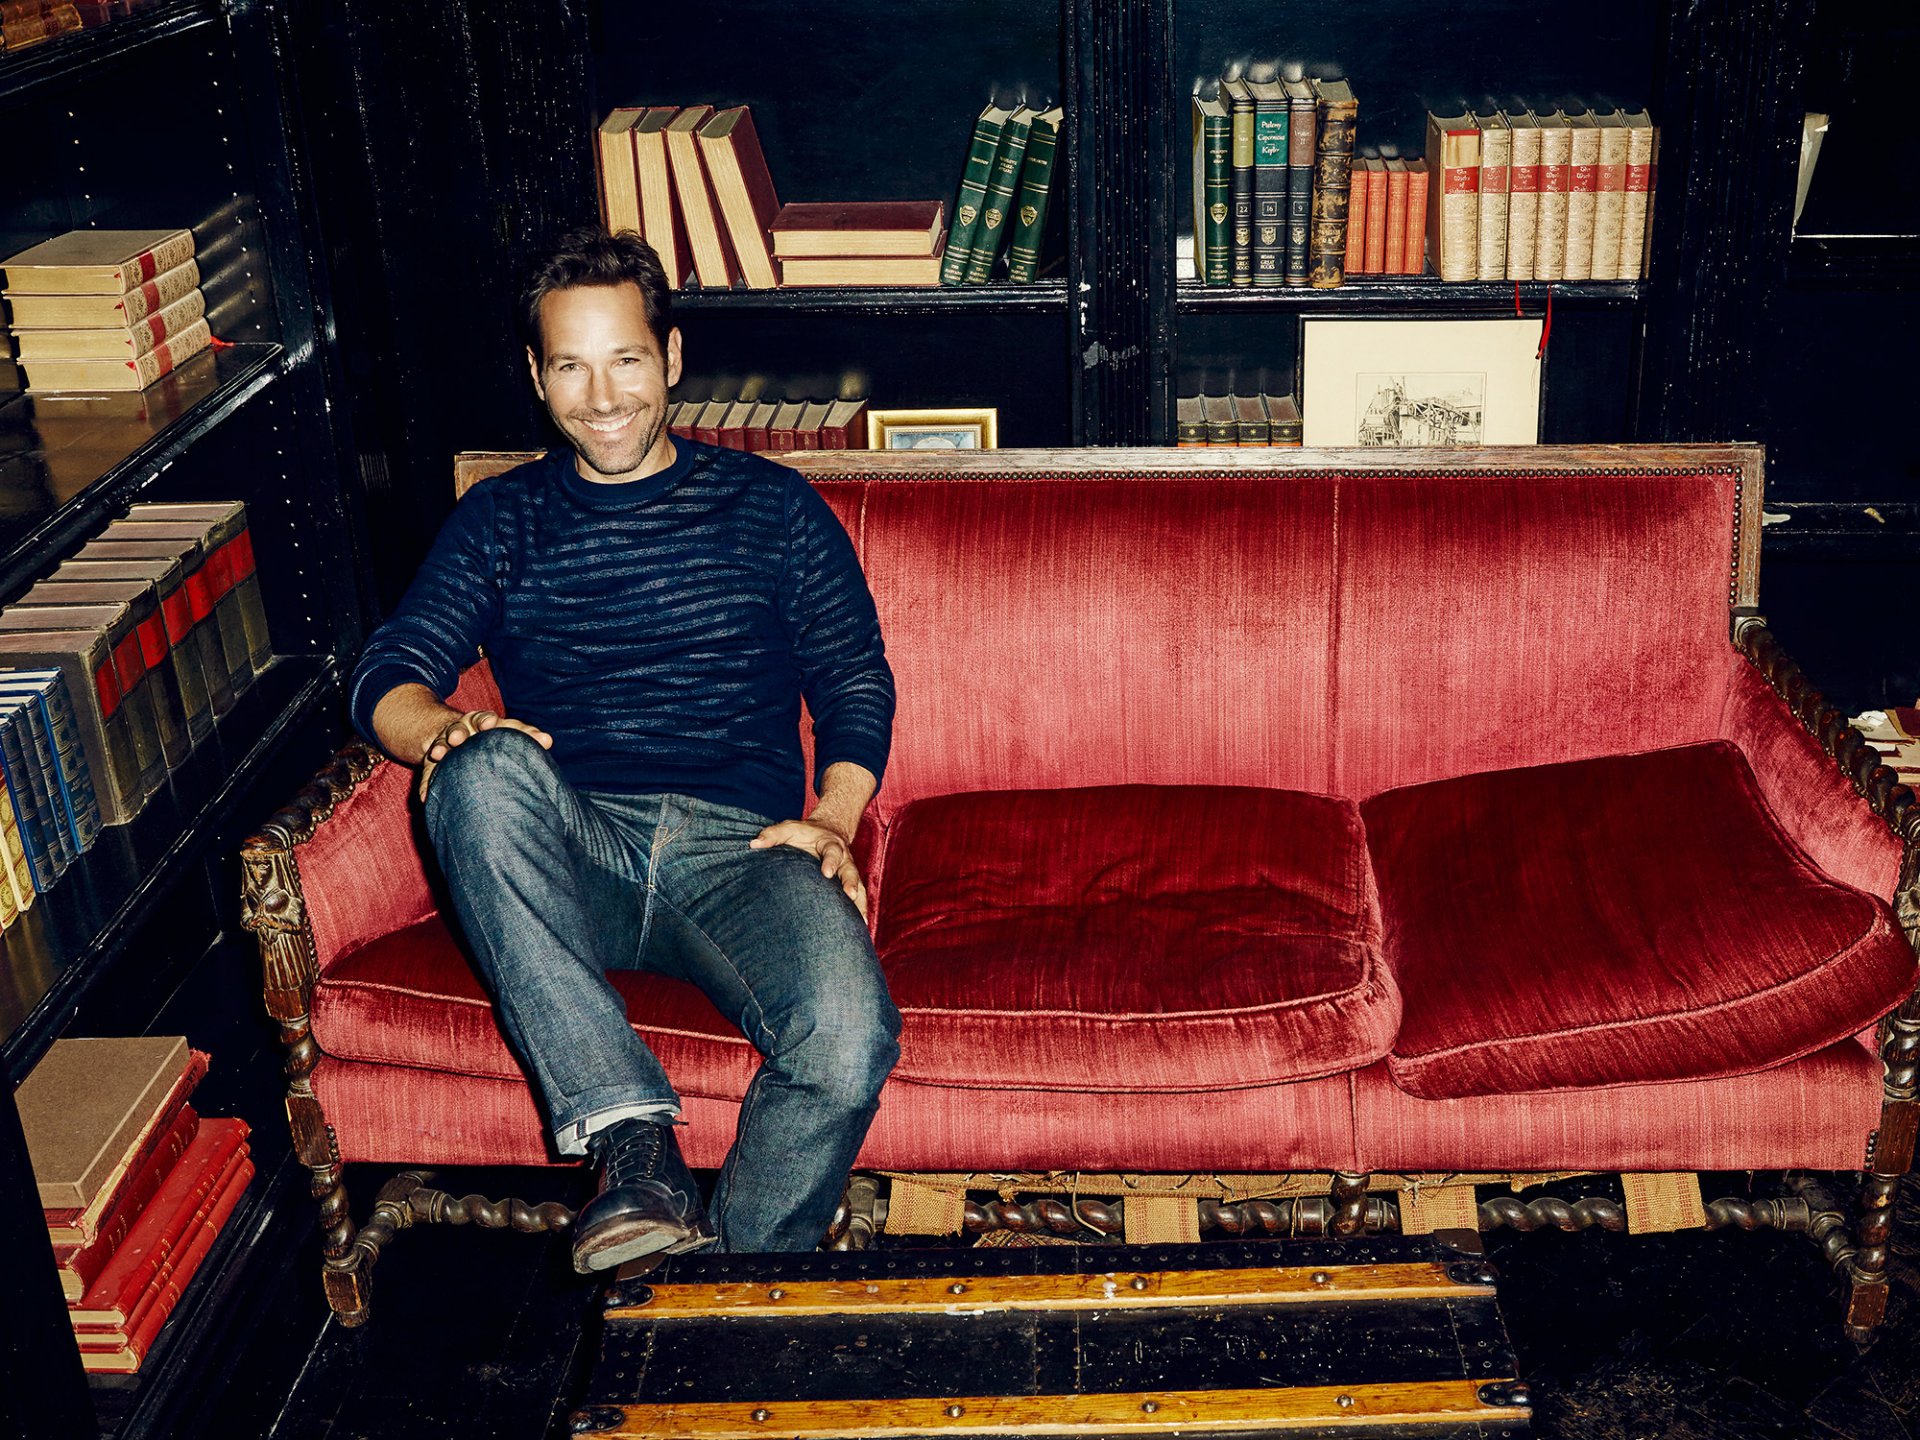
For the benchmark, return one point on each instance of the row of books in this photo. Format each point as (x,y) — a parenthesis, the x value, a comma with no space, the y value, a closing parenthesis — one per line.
(132,648)
(693,182)
(1236,420)
(1554,195)
(1003,197)
(1387,217)
(772,424)
(25,23)
(135,1185)
(105,310)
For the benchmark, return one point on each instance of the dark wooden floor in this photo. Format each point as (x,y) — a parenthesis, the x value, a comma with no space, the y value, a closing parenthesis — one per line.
(1682,1337)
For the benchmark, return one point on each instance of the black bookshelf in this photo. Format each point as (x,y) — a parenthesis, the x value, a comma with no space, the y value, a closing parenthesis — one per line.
(1044,296)
(60,61)
(1407,292)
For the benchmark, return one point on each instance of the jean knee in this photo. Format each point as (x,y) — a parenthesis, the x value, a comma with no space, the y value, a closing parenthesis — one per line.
(489,770)
(850,1052)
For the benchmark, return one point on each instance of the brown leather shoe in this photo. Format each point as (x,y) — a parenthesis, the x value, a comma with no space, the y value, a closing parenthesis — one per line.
(647,1200)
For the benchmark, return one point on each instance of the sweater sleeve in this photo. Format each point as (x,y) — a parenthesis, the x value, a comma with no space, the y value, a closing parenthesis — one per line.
(442,620)
(835,634)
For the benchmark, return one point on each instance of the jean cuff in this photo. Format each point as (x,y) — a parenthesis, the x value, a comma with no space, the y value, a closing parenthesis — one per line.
(572,1139)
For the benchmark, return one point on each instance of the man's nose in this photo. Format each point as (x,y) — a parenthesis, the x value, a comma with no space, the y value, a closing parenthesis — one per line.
(600,392)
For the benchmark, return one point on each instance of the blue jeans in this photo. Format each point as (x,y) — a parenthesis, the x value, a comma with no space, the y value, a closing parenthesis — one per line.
(554,886)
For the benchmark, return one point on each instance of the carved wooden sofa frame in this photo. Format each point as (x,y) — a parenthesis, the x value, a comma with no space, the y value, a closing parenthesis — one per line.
(1852,1237)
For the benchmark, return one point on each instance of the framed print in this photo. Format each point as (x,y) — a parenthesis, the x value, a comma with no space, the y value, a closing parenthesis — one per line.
(1367,382)
(933,429)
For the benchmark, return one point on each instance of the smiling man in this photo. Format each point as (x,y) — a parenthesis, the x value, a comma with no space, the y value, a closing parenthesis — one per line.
(654,610)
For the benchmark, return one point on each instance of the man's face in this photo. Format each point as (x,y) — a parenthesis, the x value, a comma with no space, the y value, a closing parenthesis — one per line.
(605,381)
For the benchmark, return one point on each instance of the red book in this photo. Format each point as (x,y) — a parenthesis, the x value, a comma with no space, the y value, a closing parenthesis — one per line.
(806,430)
(1396,217)
(1356,263)
(737,170)
(138,1342)
(845,427)
(1376,217)
(680,418)
(1413,257)
(71,1226)
(759,425)
(733,425)
(706,425)
(781,430)
(162,1227)
(81,1263)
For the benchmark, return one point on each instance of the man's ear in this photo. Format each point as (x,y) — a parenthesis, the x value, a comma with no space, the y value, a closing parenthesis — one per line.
(673,357)
(533,369)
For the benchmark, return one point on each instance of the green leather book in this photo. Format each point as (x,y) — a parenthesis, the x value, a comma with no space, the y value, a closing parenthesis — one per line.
(1269,181)
(1212,188)
(1240,106)
(972,198)
(1030,206)
(1001,185)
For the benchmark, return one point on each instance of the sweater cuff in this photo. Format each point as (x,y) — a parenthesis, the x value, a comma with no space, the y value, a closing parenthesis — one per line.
(371,687)
(871,758)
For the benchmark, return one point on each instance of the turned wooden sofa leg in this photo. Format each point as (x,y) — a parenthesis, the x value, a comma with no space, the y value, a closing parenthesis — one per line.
(1349,1202)
(1889,1158)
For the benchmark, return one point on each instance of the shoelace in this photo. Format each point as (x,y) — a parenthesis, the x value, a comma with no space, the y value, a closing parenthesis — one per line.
(634,1155)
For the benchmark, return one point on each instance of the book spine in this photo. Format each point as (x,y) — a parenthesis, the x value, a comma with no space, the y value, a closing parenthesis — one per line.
(1453,221)
(198,585)
(1222,430)
(1550,251)
(45,758)
(175,250)
(1190,430)
(183,654)
(1030,206)
(164,357)
(619,180)
(1332,191)
(1376,219)
(120,1296)
(1286,431)
(72,758)
(163,689)
(80,1265)
(1269,193)
(230,620)
(1396,261)
(16,880)
(1638,186)
(29,804)
(1583,182)
(244,576)
(1001,186)
(1300,163)
(1356,258)
(1609,202)
(1213,236)
(1523,203)
(1242,123)
(1496,151)
(113,712)
(971,200)
(1413,255)
(156,295)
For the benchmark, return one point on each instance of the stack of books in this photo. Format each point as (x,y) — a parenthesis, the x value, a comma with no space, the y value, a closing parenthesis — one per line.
(105,310)
(855,242)
(154,629)
(1236,420)
(1387,216)
(1003,200)
(135,1185)
(1550,195)
(767,422)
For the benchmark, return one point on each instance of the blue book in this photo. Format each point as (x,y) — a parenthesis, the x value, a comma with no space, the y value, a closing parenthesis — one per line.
(63,757)
(27,805)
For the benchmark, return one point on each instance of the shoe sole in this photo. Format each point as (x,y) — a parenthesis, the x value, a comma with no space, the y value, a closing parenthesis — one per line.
(636,1245)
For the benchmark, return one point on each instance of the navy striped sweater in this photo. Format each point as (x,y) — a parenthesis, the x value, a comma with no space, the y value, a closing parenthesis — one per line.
(661,630)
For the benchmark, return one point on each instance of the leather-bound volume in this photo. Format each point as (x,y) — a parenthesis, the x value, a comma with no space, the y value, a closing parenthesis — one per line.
(1396,259)
(783,429)
(176,615)
(27,793)
(85,1106)
(1556,153)
(971,199)
(1523,194)
(619,179)
(1240,106)
(1269,182)
(660,220)
(1376,171)
(1283,418)
(1453,195)
(119,342)
(220,530)
(1639,196)
(845,427)
(706,424)
(1301,106)
(169,709)
(1189,422)
(866,269)
(1496,154)
(135,373)
(743,186)
(1032,203)
(97,262)
(1003,182)
(99,653)
(81,1263)
(806,430)
(858,227)
(1413,255)
(1356,263)
(51,724)
(733,425)
(1332,184)
(1223,426)
(1212,189)
(1609,195)
(1250,425)
(1583,185)
(759,423)
(713,263)
(197,585)
(94,312)
(123,1194)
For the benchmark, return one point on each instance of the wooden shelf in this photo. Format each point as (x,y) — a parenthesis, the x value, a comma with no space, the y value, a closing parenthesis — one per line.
(68,462)
(1402,292)
(66,58)
(57,952)
(999,298)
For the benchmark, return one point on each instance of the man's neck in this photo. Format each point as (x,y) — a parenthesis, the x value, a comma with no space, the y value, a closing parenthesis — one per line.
(661,457)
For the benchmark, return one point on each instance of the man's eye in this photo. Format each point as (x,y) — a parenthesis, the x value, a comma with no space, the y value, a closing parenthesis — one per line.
(568,368)
(629,359)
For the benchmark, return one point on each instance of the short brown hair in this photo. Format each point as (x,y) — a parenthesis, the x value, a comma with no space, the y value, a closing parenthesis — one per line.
(590,256)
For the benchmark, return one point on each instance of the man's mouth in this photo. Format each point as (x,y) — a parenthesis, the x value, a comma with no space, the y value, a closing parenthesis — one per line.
(607,427)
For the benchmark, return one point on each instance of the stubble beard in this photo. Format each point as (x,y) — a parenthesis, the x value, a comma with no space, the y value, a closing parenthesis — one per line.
(614,461)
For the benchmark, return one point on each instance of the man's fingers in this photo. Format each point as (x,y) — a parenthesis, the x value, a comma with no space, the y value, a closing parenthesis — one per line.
(771,836)
(832,856)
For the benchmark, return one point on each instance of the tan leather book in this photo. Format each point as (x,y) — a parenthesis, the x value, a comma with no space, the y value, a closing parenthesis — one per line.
(85,1105)
(619,181)
(1523,194)
(96,376)
(737,168)
(1583,181)
(1453,195)
(1550,241)
(97,312)
(1639,194)
(97,262)
(1496,153)
(121,342)
(862,270)
(693,189)
(1609,196)
(660,220)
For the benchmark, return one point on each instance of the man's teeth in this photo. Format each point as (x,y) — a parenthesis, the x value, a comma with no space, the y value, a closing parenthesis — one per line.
(607,427)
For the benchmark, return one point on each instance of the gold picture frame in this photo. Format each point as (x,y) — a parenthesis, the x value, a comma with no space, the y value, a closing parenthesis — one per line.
(977,429)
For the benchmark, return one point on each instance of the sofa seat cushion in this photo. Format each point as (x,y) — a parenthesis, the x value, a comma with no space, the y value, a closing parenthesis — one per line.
(1612,921)
(1132,939)
(413,998)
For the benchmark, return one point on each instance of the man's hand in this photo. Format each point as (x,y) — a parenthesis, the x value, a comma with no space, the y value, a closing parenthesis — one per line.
(417,727)
(828,846)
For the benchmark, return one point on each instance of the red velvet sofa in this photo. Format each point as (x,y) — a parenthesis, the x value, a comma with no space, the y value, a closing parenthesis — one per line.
(1370,811)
